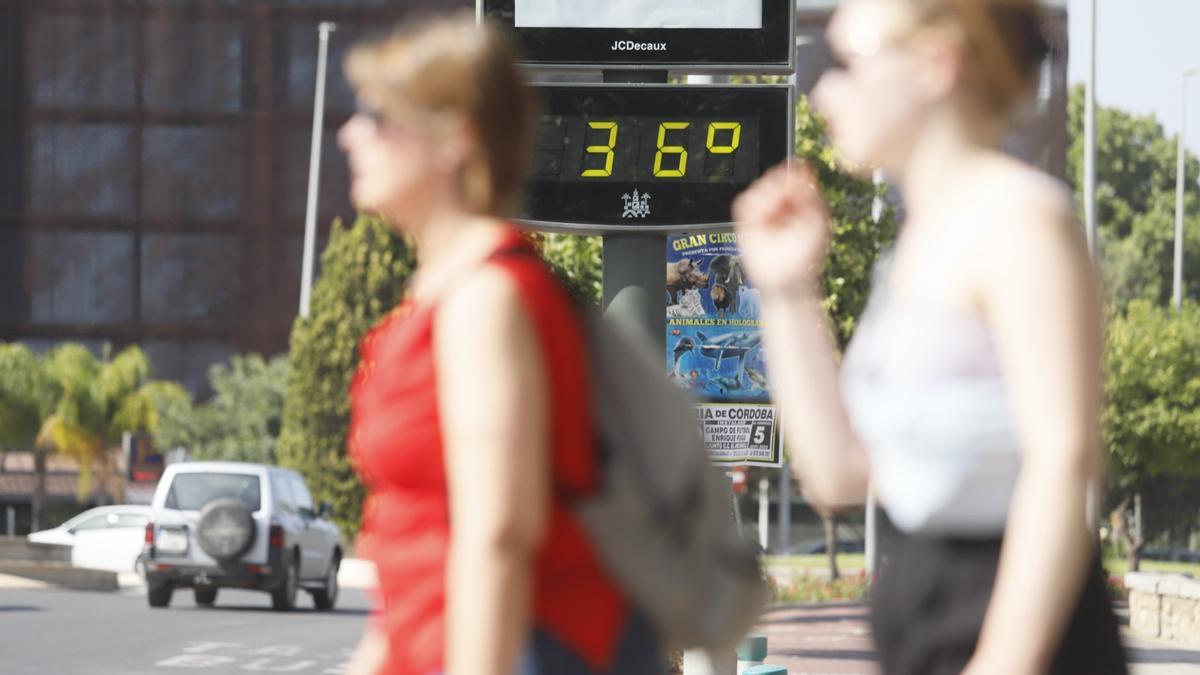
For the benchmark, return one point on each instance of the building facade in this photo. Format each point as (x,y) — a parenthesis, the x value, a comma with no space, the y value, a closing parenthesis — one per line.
(153,169)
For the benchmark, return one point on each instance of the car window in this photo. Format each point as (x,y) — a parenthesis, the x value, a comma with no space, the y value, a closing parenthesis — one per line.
(301,494)
(93,523)
(191,491)
(131,520)
(283,492)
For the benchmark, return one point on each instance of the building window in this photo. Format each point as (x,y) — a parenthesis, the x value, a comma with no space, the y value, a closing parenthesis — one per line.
(82,278)
(96,71)
(83,170)
(191,173)
(197,65)
(291,170)
(190,279)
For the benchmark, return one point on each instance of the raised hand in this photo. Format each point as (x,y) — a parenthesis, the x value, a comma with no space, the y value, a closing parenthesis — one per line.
(783,229)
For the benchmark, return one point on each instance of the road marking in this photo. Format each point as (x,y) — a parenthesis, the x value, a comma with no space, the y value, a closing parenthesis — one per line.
(264,664)
(195,661)
(200,647)
(269,658)
(276,650)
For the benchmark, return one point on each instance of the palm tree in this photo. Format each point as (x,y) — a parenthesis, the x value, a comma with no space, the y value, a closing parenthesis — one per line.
(27,396)
(98,402)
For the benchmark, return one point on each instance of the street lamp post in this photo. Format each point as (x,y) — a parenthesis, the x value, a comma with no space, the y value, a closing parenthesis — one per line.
(1089,134)
(1180,170)
(314,169)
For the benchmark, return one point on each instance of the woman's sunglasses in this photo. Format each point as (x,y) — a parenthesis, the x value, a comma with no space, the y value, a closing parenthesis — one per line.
(370,113)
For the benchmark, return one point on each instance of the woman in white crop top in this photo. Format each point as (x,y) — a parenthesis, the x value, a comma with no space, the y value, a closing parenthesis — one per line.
(969,398)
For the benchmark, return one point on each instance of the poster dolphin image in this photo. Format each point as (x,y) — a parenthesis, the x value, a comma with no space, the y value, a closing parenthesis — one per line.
(684,346)
(736,345)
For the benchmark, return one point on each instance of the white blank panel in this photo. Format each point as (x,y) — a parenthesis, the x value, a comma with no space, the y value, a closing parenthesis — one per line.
(724,14)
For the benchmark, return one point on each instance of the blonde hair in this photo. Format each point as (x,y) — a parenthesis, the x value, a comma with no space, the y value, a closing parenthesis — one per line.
(1003,46)
(449,65)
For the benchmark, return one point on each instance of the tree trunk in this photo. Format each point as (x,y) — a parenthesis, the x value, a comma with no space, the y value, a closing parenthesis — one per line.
(1117,520)
(39,488)
(1137,539)
(831,544)
(117,476)
(103,476)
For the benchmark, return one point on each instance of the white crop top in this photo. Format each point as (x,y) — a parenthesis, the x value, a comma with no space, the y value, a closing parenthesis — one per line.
(925,393)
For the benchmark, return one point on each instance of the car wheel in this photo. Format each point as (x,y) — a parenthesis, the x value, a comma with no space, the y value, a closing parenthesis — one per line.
(159,596)
(205,597)
(283,599)
(326,597)
(139,566)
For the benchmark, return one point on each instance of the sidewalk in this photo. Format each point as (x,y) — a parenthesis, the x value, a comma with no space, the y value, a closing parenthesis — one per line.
(354,573)
(835,639)
(9,582)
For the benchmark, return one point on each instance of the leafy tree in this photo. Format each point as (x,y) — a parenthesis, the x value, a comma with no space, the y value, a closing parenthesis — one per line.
(27,396)
(1140,265)
(1151,421)
(97,402)
(1134,160)
(1135,202)
(177,417)
(363,270)
(578,261)
(1135,197)
(242,420)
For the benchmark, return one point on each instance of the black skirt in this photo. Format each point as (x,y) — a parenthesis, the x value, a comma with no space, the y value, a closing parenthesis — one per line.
(929,601)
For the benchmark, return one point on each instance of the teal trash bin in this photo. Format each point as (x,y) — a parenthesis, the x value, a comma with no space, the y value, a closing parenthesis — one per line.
(766,670)
(751,652)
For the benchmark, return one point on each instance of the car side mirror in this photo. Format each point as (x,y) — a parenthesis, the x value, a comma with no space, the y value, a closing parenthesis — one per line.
(325,510)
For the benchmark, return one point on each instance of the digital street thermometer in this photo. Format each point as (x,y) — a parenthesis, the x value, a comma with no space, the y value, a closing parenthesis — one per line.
(652,157)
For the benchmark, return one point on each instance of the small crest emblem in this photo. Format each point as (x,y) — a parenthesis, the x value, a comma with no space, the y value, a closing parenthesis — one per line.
(636,206)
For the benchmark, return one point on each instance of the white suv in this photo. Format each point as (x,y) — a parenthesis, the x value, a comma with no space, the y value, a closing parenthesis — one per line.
(238,525)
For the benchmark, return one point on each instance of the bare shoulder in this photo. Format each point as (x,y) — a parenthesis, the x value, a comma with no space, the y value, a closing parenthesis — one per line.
(1026,210)
(1013,187)
(484,301)
(1033,247)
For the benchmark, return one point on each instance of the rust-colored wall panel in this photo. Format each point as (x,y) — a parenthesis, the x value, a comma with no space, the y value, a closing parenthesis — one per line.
(153,169)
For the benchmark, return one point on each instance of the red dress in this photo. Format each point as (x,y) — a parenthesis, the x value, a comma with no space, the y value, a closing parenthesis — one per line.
(396,444)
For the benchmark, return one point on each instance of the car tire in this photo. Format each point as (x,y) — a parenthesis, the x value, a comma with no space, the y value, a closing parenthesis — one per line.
(205,597)
(326,597)
(226,529)
(283,599)
(159,596)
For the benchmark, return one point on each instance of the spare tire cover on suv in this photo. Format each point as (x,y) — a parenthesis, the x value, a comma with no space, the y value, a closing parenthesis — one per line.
(226,529)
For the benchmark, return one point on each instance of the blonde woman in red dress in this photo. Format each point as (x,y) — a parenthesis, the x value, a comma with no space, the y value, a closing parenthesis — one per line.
(470,415)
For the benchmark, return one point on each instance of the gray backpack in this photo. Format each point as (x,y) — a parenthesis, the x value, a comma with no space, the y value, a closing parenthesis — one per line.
(661,520)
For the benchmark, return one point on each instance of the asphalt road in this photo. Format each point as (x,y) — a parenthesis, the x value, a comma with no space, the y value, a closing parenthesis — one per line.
(52,631)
